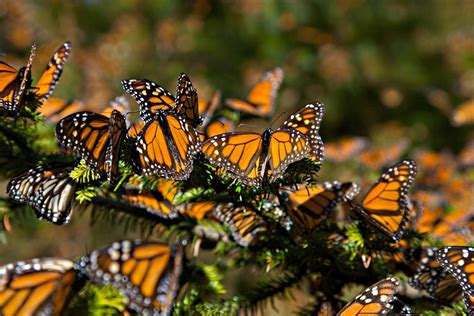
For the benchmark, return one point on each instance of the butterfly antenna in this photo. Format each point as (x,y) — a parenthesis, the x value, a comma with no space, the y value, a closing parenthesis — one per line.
(277,118)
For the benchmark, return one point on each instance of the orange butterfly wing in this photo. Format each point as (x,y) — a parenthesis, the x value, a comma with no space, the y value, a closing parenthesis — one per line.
(50,76)
(307,121)
(38,286)
(261,98)
(386,204)
(376,300)
(146,272)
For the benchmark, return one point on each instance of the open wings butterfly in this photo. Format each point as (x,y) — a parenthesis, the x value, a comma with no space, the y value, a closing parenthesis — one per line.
(14,83)
(245,155)
(95,137)
(48,189)
(386,204)
(36,287)
(261,99)
(146,272)
(308,206)
(375,300)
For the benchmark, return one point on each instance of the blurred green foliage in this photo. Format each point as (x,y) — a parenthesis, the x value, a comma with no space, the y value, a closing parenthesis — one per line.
(370,62)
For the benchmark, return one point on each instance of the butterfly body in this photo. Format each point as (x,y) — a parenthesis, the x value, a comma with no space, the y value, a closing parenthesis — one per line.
(245,155)
(166,146)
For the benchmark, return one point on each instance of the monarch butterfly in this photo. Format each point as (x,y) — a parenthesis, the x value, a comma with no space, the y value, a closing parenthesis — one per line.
(459,262)
(135,128)
(376,158)
(158,202)
(54,109)
(216,127)
(244,223)
(187,104)
(120,104)
(261,99)
(48,189)
(39,286)
(167,143)
(146,272)
(430,276)
(14,83)
(245,155)
(463,114)
(308,206)
(95,137)
(386,204)
(376,299)
(345,148)
(153,98)
(50,76)
(197,210)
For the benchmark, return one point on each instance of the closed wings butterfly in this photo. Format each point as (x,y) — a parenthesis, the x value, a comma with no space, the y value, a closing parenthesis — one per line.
(375,300)
(95,137)
(386,204)
(153,98)
(244,223)
(167,143)
(431,276)
(308,206)
(158,202)
(14,83)
(261,99)
(50,76)
(48,189)
(245,155)
(146,272)
(36,287)
(459,262)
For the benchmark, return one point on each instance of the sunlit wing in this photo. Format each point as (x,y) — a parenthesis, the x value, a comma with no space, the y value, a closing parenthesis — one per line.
(261,99)
(286,147)
(54,109)
(50,76)
(152,201)
(386,204)
(197,210)
(36,287)
(375,300)
(166,147)
(145,272)
(307,121)
(48,189)
(150,96)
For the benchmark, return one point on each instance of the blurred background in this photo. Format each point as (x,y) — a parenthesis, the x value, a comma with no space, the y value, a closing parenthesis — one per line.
(400,74)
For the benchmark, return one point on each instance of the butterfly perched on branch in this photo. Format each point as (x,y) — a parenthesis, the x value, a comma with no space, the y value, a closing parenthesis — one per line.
(309,206)
(49,190)
(386,204)
(95,137)
(14,83)
(167,143)
(40,286)
(244,156)
(146,272)
(261,99)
